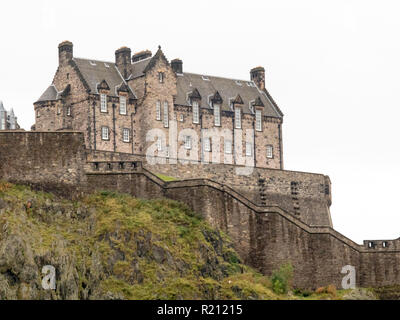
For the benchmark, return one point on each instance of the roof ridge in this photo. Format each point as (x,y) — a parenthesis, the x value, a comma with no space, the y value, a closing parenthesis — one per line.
(87,59)
(207,75)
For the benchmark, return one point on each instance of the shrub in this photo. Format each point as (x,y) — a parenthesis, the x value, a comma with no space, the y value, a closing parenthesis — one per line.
(281,279)
(331,289)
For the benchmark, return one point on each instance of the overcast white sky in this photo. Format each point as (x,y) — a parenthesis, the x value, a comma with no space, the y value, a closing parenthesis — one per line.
(332,66)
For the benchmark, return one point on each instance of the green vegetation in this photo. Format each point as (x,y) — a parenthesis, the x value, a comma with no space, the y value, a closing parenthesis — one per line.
(165,178)
(112,246)
(282,279)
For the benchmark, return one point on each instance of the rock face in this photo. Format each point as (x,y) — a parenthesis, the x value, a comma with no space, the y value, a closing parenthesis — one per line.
(111,246)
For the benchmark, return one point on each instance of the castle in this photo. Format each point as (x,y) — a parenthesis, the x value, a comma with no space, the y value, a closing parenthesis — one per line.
(91,133)
(8,120)
(116,104)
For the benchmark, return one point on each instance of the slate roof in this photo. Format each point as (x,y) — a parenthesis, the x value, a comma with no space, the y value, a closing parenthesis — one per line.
(95,71)
(229,89)
(138,68)
(49,94)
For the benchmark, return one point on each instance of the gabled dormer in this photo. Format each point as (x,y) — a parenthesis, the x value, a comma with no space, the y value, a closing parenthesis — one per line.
(104,90)
(195,98)
(237,105)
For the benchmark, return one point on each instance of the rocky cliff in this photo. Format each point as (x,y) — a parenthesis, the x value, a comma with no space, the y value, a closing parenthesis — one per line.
(113,246)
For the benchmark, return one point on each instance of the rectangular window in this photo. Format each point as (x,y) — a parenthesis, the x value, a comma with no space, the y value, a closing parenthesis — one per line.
(166,114)
(167,151)
(195,112)
(158,110)
(249,149)
(161,77)
(68,111)
(188,142)
(122,105)
(228,146)
(159,144)
(126,135)
(217,115)
(258,120)
(104,133)
(58,110)
(103,102)
(238,118)
(270,152)
(207,144)
(181,118)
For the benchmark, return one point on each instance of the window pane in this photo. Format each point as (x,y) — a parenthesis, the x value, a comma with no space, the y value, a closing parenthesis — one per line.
(158,110)
(166,114)
(122,105)
(103,102)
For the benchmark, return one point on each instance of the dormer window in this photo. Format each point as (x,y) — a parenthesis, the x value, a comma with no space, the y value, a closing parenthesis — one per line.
(217,115)
(195,106)
(258,120)
(103,102)
(238,82)
(161,77)
(238,118)
(122,105)
(205,78)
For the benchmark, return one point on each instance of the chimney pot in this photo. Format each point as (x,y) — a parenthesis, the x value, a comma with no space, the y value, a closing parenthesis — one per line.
(65,52)
(258,76)
(123,60)
(177,66)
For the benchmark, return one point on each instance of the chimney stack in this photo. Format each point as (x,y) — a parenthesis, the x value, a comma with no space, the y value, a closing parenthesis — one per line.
(177,66)
(65,52)
(123,61)
(258,76)
(141,55)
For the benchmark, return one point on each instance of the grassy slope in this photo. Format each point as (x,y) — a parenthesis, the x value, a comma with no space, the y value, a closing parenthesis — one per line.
(128,248)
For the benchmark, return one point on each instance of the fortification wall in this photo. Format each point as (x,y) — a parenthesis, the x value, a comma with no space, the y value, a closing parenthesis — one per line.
(305,195)
(52,161)
(267,237)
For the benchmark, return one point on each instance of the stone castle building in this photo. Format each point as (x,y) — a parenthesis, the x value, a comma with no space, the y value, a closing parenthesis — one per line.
(8,120)
(91,133)
(116,104)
